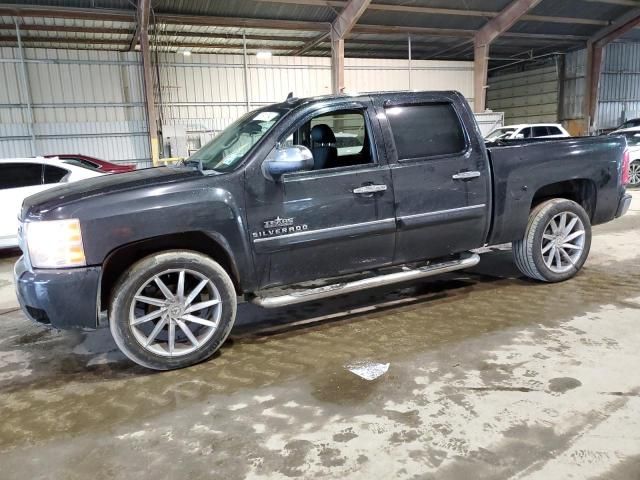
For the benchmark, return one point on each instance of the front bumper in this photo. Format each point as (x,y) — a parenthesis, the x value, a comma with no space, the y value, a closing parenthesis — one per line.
(623,205)
(64,299)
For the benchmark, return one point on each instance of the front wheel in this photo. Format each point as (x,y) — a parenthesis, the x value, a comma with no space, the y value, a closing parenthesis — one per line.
(556,243)
(172,309)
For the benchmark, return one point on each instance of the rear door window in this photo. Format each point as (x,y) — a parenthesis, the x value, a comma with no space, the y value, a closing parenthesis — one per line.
(16,175)
(426,130)
(540,131)
(526,132)
(554,131)
(54,174)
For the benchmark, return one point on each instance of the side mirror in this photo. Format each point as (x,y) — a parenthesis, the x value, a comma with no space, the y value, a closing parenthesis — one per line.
(519,136)
(297,158)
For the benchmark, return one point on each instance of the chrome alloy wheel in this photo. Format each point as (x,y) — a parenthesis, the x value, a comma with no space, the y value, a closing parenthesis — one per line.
(175,312)
(634,174)
(563,242)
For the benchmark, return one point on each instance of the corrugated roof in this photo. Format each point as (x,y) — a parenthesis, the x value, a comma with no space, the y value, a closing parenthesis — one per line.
(527,36)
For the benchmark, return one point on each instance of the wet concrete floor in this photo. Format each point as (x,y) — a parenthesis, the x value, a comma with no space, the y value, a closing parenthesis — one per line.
(489,376)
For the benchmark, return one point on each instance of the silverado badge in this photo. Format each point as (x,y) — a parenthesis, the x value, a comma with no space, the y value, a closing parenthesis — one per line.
(279,226)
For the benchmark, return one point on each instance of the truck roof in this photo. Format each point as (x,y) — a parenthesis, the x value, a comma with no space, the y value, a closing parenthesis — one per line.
(296,102)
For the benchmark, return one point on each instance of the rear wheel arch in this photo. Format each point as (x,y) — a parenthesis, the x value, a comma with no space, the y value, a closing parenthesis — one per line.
(583,191)
(119,260)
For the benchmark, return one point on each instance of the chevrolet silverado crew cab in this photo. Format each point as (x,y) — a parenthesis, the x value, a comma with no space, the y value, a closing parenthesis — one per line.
(162,255)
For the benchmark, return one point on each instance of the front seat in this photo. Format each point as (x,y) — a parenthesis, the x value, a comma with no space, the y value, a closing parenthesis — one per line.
(323,147)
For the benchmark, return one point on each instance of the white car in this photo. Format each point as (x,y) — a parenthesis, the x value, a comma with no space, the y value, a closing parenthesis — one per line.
(348,143)
(534,130)
(21,177)
(633,145)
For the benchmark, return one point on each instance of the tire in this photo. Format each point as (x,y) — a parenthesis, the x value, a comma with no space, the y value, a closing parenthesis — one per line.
(541,242)
(144,310)
(634,174)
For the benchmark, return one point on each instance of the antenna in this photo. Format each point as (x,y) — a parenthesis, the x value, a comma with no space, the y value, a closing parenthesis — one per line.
(290,96)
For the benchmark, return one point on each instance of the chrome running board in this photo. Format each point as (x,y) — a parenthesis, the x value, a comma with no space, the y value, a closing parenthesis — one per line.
(466,260)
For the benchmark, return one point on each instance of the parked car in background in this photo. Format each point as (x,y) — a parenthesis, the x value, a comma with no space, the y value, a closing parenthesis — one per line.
(21,177)
(519,132)
(633,145)
(348,143)
(631,123)
(86,161)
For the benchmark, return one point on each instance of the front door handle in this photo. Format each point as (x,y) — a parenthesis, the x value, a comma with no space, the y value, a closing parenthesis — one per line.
(466,175)
(369,189)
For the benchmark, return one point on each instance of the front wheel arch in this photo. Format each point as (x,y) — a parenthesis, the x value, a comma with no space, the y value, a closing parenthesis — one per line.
(120,259)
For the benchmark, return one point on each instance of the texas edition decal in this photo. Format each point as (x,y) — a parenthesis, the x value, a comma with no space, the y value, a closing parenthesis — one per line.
(279,226)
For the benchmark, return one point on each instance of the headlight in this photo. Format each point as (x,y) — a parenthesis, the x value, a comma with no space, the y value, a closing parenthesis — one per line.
(55,244)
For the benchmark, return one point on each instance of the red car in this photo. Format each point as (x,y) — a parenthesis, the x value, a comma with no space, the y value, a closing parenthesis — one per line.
(93,163)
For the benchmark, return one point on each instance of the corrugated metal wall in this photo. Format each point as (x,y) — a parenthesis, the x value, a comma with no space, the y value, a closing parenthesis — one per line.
(82,102)
(530,96)
(208,91)
(91,102)
(619,91)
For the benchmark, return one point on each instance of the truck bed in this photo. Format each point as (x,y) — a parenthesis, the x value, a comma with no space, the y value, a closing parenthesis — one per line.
(520,169)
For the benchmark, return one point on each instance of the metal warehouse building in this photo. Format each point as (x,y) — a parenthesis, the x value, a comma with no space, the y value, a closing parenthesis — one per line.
(85,77)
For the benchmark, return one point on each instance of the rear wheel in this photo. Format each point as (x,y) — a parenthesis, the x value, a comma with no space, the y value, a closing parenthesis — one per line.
(556,242)
(172,309)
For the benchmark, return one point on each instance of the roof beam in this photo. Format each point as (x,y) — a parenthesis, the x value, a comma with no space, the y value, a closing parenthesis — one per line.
(441,11)
(626,3)
(618,28)
(505,20)
(67,28)
(156,32)
(348,17)
(68,12)
(104,41)
(314,42)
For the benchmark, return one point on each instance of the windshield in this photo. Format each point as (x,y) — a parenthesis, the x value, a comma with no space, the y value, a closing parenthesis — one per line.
(633,138)
(630,123)
(500,133)
(229,148)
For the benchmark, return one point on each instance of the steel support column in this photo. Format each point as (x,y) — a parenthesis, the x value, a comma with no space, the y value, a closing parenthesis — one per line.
(409,53)
(480,68)
(24,81)
(337,64)
(147,80)
(245,66)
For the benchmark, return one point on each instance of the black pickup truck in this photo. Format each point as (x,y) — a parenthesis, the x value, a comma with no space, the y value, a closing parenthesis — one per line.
(390,186)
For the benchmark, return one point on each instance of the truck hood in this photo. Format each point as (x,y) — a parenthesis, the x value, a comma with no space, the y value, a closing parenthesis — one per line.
(41,203)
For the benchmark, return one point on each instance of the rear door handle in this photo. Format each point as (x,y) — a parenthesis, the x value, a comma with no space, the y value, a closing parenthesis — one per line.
(368,189)
(466,175)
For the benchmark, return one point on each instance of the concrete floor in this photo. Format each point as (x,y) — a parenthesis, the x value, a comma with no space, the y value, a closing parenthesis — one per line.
(489,376)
